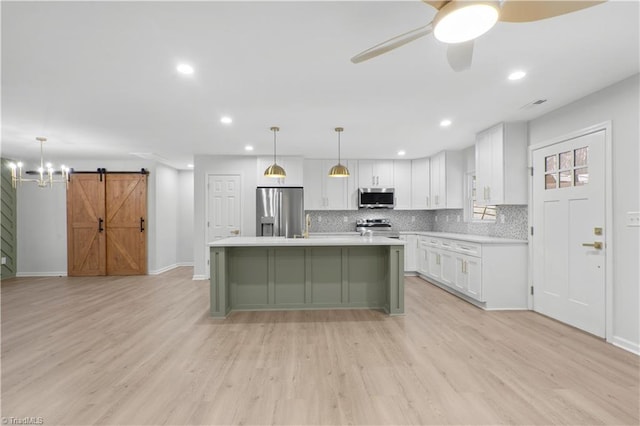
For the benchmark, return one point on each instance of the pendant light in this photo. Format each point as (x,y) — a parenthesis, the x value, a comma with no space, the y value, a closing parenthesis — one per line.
(339,170)
(274,170)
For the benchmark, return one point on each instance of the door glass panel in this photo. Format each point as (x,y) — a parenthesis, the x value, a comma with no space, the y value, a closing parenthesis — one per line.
(565,179)
(551,163)
(565,161)
(581,176)
(581,156)
(550,181)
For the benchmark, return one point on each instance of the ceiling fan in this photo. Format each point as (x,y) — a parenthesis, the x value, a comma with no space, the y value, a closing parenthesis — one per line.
(459,22)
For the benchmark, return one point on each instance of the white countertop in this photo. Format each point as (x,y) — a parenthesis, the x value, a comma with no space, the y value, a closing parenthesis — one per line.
(481,239)
(314,240)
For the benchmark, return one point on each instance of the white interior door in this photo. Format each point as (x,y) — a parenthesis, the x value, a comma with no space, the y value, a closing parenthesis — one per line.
(224,212)
(569,234)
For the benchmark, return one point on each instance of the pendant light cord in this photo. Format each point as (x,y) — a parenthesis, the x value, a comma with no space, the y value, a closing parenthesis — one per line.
(274,129)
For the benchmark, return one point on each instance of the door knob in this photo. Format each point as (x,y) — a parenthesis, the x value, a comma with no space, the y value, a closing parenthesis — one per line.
(596,245)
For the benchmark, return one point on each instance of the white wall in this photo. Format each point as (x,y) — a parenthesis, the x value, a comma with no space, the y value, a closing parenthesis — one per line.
(205,165)
(184,248)
(166,219)
(42,220)
(41,230)
(618,103)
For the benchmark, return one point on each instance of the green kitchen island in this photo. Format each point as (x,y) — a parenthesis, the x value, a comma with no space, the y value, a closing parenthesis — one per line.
(277,273)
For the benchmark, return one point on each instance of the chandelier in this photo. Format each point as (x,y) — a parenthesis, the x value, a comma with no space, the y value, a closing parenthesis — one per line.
(44,174)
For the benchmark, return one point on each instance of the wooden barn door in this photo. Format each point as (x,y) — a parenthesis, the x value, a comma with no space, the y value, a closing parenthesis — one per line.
(126,201)
(106,224)
(86,240)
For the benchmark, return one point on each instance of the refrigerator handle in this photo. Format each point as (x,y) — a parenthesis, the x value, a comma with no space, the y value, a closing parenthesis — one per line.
(280,214)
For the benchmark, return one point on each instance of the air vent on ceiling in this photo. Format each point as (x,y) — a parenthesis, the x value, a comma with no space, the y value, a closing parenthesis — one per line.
(534,103)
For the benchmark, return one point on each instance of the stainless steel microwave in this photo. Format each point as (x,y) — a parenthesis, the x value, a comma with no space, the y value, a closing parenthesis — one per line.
(376,198)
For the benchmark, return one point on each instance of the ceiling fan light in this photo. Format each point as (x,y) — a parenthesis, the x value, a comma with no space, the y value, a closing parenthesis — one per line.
(460,21)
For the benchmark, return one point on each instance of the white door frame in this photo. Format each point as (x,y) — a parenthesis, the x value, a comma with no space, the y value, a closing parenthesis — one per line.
(206,214)
(608,188)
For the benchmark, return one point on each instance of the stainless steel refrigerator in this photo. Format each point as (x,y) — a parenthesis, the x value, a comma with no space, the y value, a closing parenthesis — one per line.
(279,211)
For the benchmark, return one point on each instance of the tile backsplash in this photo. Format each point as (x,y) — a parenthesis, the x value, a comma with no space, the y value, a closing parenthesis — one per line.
(511,221)
(345,220)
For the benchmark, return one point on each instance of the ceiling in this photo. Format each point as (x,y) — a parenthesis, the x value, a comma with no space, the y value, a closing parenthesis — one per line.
(99,79)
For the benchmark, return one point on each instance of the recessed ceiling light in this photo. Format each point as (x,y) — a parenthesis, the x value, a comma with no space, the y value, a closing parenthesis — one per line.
(445,123)
(185,69)
(401,152)
(517,75)
(248,148)
(190,166)
(226,120)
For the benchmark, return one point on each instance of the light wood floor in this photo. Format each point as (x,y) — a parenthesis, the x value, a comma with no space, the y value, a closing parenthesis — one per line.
(144,351)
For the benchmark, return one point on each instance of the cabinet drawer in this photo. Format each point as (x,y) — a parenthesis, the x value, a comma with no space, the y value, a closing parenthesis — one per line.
(430,242)
(470,249)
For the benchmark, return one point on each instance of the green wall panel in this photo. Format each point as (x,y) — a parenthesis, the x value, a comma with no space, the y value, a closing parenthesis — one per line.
(8,225)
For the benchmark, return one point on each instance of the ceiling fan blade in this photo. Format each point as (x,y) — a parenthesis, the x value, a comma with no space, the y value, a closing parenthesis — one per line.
(436,3)
(393,43)
(459,55)
(528,10)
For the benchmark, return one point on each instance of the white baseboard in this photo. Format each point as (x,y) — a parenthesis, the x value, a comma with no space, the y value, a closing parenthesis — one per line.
(41,274)
(625,344)
(170,267)
(199,277)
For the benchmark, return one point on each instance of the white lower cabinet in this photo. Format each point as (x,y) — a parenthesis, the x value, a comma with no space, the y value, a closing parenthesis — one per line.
(492,275)
(410,252)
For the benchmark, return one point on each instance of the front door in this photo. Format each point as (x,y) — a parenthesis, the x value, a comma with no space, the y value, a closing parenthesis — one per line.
(568,231)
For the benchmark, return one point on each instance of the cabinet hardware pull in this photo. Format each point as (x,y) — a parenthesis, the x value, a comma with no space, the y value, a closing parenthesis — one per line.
(141,224)
(596,245)
(427,201)
(100,222)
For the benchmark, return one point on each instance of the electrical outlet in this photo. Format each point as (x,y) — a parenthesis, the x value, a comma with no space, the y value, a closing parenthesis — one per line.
(345,219)
(501,218)
(633,218)
(436,218)
(4,260)
(413,219)
(458,218)
(319,218)
(447,218)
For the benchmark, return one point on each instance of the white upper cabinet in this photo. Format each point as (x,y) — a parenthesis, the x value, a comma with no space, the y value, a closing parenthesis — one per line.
(292,166)
(402,183)
(375,173)
(501,164)
(447,175)
(420,184)
(322,192)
